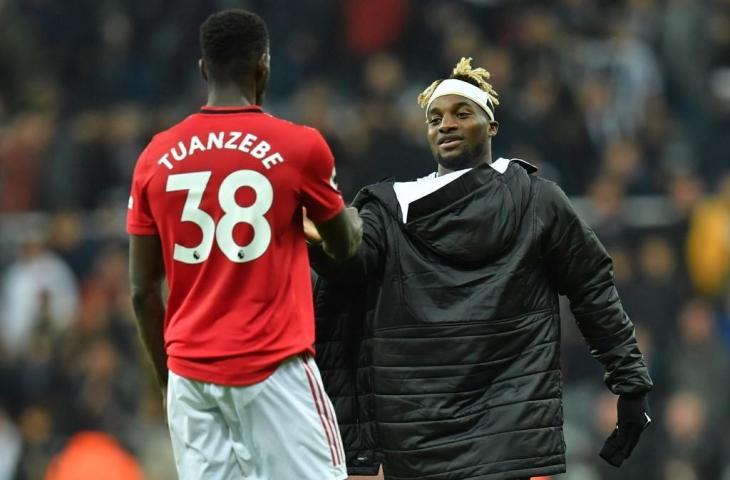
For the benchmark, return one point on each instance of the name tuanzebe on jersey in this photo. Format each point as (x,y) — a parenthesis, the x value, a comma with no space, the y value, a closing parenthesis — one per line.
(246,143)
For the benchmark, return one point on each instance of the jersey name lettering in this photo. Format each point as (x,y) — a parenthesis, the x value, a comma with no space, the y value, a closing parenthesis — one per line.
(247,143)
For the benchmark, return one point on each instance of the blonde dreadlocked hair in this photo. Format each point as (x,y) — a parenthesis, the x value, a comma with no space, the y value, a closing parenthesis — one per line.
(463,71)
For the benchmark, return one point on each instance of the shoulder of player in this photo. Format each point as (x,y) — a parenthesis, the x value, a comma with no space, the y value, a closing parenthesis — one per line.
(546,189)
(151,146)
(308,139)
(381,193)
(147,159)
(551,202)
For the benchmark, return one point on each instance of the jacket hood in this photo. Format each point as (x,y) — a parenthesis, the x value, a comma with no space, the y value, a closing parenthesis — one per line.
(473,218)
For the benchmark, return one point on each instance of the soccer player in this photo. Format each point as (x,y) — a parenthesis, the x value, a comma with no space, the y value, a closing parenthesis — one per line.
(216,208)
(440,340)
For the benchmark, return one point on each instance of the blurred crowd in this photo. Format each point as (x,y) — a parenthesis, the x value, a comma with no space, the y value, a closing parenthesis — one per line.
(626,104)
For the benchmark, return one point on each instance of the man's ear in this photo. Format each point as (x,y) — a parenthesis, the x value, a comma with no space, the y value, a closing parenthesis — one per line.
(493,128)
(203,69)
(263,70)
(263,66)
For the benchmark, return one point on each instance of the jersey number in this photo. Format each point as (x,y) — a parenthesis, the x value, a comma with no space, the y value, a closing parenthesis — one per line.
(253,215)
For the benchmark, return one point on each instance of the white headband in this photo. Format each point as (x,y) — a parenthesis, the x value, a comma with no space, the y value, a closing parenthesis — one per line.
(452,86)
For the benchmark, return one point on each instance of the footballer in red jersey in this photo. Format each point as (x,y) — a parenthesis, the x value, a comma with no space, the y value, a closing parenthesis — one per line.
(216,210)
(224,191)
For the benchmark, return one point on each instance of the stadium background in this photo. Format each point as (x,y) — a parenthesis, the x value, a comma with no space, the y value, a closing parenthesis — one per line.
(625,103)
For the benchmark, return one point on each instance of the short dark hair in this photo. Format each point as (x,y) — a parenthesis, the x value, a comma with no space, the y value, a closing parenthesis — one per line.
(231,42)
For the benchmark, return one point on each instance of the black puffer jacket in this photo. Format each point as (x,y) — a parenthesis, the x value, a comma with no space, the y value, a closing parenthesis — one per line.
(440,342)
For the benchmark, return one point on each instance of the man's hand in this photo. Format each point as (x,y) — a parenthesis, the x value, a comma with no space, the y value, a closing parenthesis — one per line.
(633,419)
(340,236)
(310,229)
(353,218)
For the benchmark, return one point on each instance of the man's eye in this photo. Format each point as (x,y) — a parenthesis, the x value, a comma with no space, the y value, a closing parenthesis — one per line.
(463,114)
(434,121)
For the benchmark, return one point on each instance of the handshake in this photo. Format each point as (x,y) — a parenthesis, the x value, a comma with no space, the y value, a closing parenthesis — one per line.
(633,419)
(340,236)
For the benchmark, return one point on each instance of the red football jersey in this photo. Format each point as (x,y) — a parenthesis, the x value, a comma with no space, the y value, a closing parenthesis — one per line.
(224,190)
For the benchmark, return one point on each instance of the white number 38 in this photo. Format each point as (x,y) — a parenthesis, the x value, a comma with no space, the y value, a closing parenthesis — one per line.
(195,184)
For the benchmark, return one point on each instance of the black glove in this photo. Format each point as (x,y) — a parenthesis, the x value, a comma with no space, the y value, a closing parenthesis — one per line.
(633,418)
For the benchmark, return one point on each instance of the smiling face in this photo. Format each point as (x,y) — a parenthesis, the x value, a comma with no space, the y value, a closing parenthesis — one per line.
(459,133)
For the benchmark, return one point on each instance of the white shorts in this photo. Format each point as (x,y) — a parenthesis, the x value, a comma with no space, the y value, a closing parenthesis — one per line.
(283,428)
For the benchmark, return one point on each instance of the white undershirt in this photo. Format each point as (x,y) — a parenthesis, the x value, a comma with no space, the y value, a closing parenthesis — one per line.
(409,192)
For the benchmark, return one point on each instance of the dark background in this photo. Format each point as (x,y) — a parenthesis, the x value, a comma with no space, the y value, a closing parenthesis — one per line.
(625,103)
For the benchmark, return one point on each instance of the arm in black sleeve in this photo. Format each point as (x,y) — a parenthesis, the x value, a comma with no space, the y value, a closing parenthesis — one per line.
(368,259)
(580,268)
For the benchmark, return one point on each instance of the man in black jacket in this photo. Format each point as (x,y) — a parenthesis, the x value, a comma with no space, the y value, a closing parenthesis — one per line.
(439,343)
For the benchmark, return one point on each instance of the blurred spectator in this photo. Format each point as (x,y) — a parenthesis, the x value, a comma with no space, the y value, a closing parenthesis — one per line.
(621,77)
(708,242)
(684,49)
(686,191)
(107,391)
(658,292)
(693,446)
(83,153)
(10,445)
(607,209)
(40,440)
(22,145)
(38,287)
(622,161)
(390,16)
(68,236)
(88,454)
(699,358)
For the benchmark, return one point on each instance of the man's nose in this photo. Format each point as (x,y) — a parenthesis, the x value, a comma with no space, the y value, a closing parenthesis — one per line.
(447,124)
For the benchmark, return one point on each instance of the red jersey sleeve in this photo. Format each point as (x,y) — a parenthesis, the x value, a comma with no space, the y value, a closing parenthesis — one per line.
(319,192)
(139,215)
